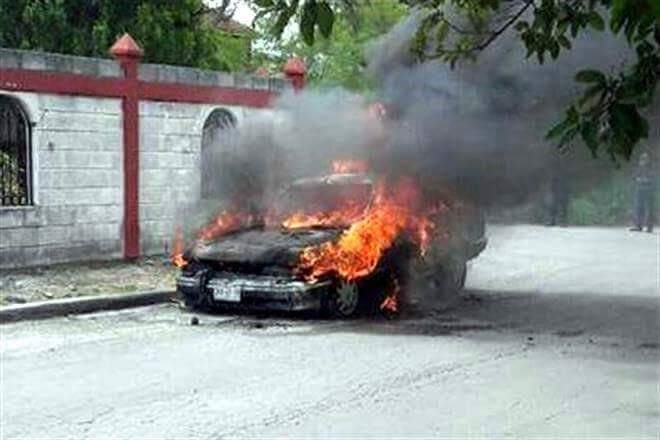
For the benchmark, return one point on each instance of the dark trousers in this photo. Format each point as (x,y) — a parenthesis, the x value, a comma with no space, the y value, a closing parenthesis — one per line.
(558,208)
(644,208)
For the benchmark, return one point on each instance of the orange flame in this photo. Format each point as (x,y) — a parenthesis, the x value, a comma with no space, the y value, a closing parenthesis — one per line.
(178,247)
(346,166)
(343,216)
(391,302)
(377,109)
(395,211)
(424,229)
(360,248)
(224,222)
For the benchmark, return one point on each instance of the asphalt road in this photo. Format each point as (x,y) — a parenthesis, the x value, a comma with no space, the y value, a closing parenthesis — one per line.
(559,335)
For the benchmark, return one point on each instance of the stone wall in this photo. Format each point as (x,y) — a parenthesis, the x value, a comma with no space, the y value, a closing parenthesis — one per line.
(170,169)
(53,62)
(42,61)
(77,181)
(77,153)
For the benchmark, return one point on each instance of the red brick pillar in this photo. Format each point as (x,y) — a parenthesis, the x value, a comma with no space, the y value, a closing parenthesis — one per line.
(295,70)
(128,53)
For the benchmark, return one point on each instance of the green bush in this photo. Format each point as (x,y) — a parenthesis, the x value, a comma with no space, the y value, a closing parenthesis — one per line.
(609,203)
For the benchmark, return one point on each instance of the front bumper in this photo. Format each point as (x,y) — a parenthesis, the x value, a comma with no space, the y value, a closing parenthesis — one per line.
(254,292)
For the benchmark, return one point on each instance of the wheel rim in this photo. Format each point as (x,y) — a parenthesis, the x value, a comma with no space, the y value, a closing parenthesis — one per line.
(347,297)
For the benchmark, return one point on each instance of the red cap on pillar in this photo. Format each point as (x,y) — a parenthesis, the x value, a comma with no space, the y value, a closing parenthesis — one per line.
(126,47)
(295,71)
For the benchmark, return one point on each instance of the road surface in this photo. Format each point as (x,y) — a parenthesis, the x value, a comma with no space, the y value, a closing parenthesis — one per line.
(559,335)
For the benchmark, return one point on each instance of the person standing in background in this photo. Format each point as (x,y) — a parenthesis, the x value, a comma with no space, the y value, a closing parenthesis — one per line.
(645,186)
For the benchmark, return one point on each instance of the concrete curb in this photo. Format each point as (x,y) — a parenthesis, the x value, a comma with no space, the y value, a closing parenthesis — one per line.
(82,304)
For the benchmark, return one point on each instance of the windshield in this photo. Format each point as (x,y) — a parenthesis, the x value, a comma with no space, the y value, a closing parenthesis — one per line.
(322,204)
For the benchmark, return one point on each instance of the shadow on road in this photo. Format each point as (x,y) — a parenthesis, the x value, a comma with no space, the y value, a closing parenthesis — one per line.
(630,320)
(635,317)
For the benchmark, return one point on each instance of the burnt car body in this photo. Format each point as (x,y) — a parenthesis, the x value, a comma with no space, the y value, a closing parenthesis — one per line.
(255,268)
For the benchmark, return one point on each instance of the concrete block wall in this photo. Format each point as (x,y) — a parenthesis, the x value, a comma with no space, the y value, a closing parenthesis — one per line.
(77,154)
(53,62)
(187,75)
(170,168)
(77,180)
(99,67)
(170,145)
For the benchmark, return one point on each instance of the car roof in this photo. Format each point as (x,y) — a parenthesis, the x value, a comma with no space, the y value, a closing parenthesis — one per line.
(334,179)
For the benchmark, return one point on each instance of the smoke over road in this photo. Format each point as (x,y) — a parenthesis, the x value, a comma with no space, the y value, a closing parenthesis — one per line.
(480,127)
(476,130)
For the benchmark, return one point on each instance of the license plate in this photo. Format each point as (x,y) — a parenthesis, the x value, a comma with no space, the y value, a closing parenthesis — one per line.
(227,293)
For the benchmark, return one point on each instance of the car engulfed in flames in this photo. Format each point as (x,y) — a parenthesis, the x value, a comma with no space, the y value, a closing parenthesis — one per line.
(340,243)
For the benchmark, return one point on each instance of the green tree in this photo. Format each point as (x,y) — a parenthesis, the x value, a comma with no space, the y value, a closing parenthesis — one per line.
(170,32)
(339,60)
(608,114)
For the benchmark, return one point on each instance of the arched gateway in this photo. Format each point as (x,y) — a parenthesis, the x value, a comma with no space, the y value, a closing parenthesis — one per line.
(214,140)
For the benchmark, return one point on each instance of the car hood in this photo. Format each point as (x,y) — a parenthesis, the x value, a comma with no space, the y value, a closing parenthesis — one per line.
(276,247)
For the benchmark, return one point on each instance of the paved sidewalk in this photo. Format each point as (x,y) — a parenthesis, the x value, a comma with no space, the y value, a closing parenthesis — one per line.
(72,280)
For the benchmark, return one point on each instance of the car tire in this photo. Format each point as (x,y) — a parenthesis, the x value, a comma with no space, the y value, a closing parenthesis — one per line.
(463,277)
(454,276)
(199,300)
(449,278)
(191,304)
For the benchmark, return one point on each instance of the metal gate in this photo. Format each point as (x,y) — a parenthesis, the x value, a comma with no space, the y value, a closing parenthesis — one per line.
(15,163)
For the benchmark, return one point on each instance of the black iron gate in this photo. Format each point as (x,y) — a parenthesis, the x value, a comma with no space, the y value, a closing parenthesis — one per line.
(15,163)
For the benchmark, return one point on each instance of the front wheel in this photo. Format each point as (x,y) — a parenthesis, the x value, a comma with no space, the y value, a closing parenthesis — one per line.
(463,277)
(453,276)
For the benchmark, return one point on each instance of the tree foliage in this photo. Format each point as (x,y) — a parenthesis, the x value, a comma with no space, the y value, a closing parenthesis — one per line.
(608,116)
(170,32)
(339,60)
(313,15)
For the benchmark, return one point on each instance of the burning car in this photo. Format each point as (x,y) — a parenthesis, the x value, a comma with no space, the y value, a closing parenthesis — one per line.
(340,243)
